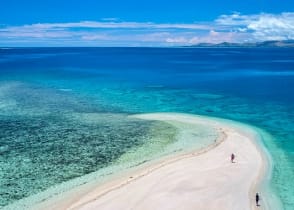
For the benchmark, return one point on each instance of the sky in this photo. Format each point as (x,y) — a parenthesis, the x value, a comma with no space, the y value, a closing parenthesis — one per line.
(143,23)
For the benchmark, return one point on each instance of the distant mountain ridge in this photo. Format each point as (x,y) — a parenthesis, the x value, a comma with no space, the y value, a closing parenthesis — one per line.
(285,43)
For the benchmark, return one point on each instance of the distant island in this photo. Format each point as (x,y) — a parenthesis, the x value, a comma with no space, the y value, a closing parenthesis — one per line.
(284,43)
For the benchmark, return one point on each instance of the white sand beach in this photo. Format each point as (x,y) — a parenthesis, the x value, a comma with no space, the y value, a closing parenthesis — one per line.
(203,179)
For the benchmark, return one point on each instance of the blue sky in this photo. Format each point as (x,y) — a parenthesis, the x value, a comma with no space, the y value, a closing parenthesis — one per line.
(143,23)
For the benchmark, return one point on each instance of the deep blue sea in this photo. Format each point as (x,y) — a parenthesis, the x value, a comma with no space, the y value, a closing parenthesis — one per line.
(63,110)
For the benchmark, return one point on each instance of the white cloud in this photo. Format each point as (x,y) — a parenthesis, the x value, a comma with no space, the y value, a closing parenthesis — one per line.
(106,25)
(92,37)
(110,19)
(261,26)
(210,37)
(110,31)
(180,40)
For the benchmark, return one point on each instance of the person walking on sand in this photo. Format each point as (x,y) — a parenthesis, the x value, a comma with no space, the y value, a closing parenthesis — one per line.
(232,157)
(257,198)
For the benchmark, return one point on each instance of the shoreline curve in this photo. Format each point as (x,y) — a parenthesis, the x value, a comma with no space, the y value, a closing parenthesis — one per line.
(96,197)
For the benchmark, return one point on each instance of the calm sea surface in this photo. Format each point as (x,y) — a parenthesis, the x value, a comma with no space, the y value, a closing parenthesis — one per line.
(63,111)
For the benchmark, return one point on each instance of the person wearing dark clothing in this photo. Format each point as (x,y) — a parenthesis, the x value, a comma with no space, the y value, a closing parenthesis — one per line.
(232,157)
(257,198)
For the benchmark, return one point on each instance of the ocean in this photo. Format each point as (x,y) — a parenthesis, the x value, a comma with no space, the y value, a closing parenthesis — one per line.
(64,111)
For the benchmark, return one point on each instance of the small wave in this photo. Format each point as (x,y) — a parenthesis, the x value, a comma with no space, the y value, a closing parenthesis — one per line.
(65,89)
(154,86)
(273,73)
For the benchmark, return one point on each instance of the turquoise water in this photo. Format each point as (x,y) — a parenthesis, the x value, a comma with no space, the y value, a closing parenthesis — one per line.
(63,111)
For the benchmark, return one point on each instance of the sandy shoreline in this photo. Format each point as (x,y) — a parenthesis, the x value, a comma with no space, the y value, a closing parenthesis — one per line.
(203,179)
